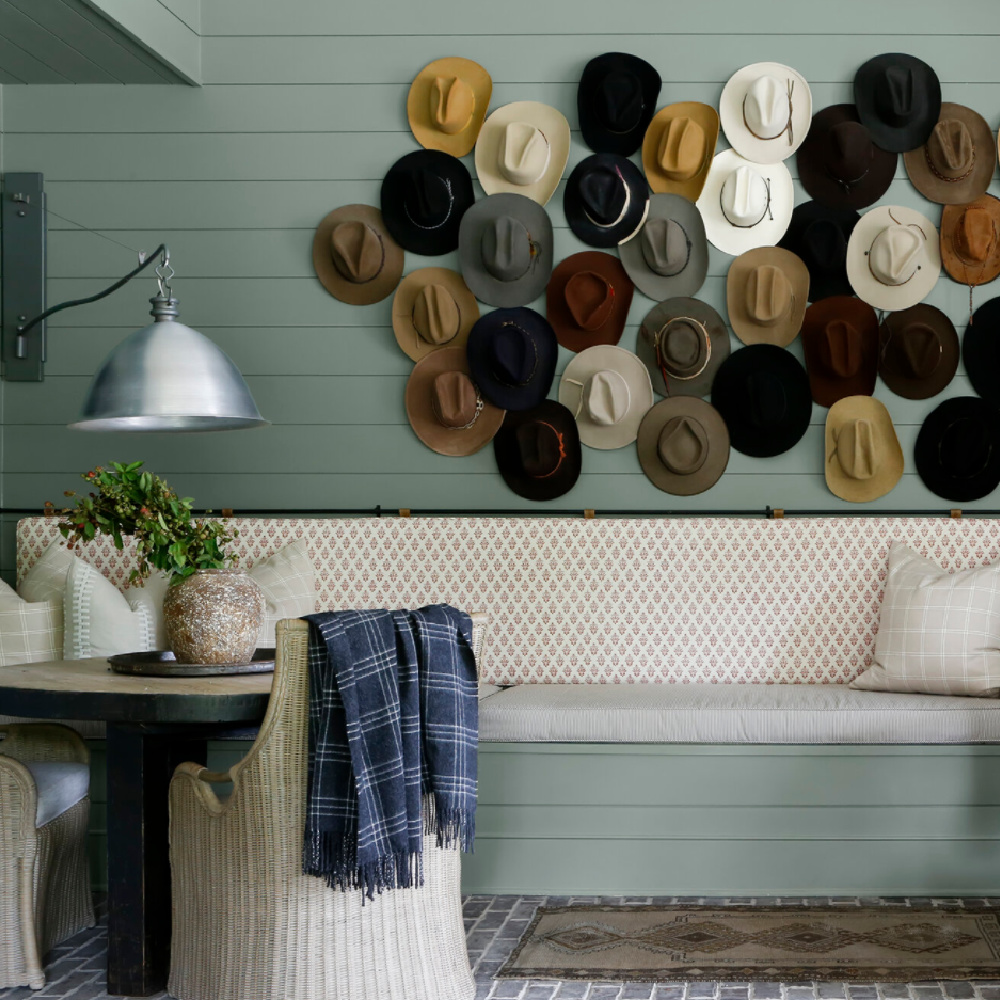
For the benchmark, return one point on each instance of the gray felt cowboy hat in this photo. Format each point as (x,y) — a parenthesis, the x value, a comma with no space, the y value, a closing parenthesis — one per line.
(683,445)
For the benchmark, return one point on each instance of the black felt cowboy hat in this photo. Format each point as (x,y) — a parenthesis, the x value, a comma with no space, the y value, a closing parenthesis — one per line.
(424,196)
(762,392)
(615,102)
(898,98)
(538,451)
(818,236)
(606,200)
(981,350)
(957,453)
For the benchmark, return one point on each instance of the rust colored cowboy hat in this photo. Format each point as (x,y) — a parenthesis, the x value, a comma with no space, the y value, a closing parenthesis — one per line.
(588,299)
(970,240)
(840,343)
(864,460)
(447,103)
(432,309)
(445,407)
(355,258)
(766,294)
(678,148)
(918,351)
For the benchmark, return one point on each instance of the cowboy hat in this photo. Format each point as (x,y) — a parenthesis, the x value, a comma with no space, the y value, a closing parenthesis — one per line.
(970,240)
(765,111)
(863,458)
(538,451)
(432,309)
(744,204)
(355,258)
(840,343)
(424,196)
(682,342)
(588,299)
(668,257)
(606,200)
(678,148)
(762,393)
(957,453)
(512,357)
(818,236)
(766,294)
(608,390)
(444,405)
(522,149)
(683,445)
(447,103)
(615,100)
(505,249)
(956,164)
(893,257)
(839,163)
(981,350)
(918,351)
(899,98)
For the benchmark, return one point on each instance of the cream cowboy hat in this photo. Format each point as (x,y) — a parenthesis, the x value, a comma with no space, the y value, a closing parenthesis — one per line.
(863,460)
(608,390)
(522,149)
(447,103)
(765,111)
(746,205)
(893,257)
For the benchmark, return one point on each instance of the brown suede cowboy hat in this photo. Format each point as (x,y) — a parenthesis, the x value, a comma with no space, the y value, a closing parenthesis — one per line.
(432,309)
(918,351)
(678,148)
(766,294)
(863,460)
(970,240)
(447,103)
(588,299)
(840,343)
(355,258)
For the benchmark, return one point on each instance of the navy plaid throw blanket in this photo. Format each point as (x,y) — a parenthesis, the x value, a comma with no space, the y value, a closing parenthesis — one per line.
(393,715)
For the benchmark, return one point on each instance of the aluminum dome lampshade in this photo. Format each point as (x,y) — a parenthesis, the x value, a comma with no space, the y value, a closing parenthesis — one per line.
(168,377)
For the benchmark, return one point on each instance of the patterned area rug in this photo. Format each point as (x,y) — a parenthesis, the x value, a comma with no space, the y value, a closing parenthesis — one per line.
(741,943)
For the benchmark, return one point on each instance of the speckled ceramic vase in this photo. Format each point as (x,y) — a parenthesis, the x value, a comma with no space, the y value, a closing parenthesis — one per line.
(213,617)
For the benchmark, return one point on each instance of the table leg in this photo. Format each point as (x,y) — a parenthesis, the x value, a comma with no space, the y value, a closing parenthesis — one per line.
(140,765)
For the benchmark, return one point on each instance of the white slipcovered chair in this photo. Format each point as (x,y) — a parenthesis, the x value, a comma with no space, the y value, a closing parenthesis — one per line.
(44,869)
(248,925)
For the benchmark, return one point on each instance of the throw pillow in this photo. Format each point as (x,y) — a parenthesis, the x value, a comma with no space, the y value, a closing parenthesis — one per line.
(46,580)
(288,580)
(939,632)
(29,631)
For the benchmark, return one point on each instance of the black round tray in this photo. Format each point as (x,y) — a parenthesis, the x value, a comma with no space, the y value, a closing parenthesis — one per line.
(163,663)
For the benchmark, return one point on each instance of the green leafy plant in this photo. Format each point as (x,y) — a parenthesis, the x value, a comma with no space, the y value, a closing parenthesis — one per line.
(130,502)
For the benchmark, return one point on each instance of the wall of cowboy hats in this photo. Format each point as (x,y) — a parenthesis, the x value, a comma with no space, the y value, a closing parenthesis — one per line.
(304,110)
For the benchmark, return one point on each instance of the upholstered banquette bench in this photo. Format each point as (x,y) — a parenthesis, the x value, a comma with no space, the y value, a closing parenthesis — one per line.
(663,702)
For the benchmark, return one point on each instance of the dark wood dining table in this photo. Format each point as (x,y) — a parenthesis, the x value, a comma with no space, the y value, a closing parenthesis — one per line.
(153,724)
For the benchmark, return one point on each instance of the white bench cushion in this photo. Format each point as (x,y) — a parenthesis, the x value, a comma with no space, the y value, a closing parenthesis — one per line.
(59,787)
(731,713)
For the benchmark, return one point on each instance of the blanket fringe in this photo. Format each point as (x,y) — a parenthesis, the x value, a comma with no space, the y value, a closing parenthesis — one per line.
(450,825)
(335,859)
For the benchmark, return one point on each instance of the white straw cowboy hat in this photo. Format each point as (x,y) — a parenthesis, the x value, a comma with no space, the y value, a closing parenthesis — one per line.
(893,257)
(608,391)
(746,205)
(765,111)
(447,103)
(522,149)
(863,460)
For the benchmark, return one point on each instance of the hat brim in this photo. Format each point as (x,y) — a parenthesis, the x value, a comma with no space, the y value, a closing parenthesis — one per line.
(356,293)
(917,388)
(509,460)
(735,240)
(889,137)
(980,352)
(645,345)
(823,282)
(484,285)
(866,286)
(926,450)
(610,236)
(631,369)
(823,186)
(951,260)
(690,187)
(687,281)
(648,438)
(571,336)
(888,473)
(782,333)
(418,105)
(594,134)
(451,441)
(550,122)
(735,127)
(826,387)
(410,342)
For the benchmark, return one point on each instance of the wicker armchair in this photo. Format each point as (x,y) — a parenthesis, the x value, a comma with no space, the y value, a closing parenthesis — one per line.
(248,925)
(44,870)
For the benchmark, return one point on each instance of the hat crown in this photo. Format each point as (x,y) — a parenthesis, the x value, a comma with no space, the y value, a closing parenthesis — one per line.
(620,104)
(436,315)
(454,399)
(665,246)
(682,148)
(524,153)
(513,355)
(540,448)
(975,235)
(357,251)
(964,448)
(824,245)
(920,350)
(768,402)
(453,102)
(895,254)
(683,445)
(604,195)
(850,152)
(590,298)
(767,107)
(745,197)
(427,198)
(950,150)
(505,247)
(842,348)
(606,397)
(895,95)
(769,294)
(856,451)
(683,348)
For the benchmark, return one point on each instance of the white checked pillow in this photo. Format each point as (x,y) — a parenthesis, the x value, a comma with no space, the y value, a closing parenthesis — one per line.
(29,631)
(939,632)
